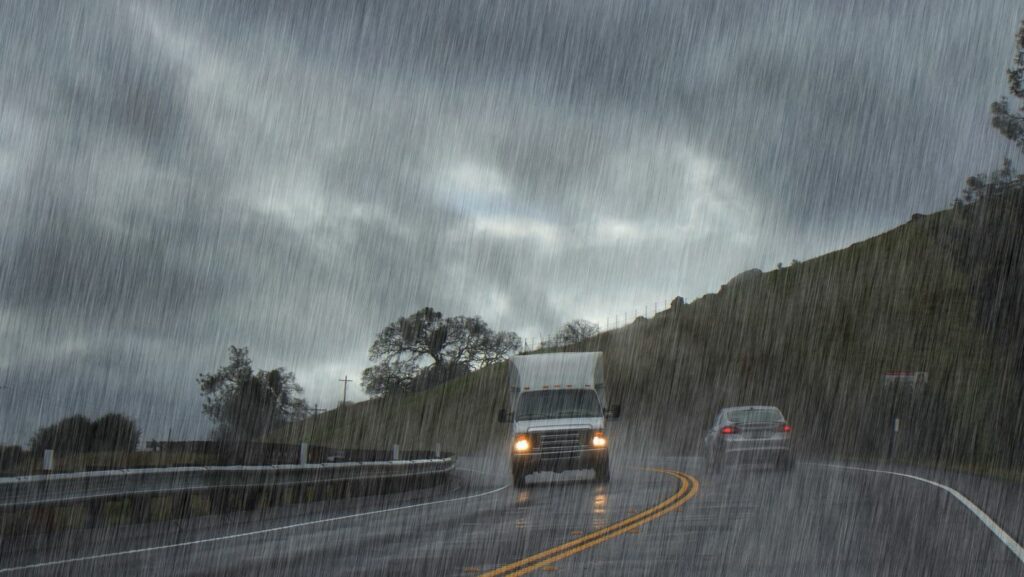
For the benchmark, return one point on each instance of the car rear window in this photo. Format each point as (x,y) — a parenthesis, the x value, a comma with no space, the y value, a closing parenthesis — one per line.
(769,415)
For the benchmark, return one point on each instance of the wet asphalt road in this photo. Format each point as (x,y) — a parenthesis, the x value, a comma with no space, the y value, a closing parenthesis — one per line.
(816,520)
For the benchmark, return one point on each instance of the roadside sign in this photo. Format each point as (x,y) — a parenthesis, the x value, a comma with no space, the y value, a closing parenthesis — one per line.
(905,378)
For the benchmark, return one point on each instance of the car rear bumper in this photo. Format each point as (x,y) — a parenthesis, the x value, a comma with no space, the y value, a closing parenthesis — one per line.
(753,453)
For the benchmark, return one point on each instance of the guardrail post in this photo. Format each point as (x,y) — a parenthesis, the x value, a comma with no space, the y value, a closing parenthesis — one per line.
(94,514)
(139,508)
(303,453)
(394,453)
(48,460)
(437,450)
(181,505)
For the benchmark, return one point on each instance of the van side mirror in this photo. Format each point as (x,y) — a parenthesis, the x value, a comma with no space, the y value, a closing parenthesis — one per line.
(613,412)
(503,416)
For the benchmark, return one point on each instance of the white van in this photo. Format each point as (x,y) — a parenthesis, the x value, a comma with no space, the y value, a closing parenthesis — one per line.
(557,410)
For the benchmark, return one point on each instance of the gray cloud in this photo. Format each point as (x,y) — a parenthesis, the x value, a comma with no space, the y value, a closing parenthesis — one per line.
(180,177)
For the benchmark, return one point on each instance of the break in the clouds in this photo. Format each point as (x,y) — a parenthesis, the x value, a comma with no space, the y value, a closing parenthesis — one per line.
(179,177)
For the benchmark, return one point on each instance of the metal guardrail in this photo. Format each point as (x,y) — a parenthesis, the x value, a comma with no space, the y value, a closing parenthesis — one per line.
(61,488)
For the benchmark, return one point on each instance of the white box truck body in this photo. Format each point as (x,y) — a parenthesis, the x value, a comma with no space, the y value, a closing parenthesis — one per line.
(557,410)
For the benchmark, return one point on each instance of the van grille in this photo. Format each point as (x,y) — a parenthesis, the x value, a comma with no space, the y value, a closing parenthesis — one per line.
(561,442)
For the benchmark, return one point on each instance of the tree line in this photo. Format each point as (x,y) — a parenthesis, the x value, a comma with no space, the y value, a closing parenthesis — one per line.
(411,354)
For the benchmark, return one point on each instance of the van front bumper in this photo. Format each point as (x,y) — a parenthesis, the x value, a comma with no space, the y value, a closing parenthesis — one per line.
(535,462)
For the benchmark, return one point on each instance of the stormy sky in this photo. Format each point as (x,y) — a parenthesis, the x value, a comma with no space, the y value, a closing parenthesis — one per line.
(179,177)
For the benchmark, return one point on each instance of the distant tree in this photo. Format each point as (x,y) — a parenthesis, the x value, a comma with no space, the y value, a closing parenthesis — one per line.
(114,432)
(247,404)
(1009,121)
(391,377)
(573,332)
(71,434)
(426,349)
(1011,124)
(996,183)
(10,456)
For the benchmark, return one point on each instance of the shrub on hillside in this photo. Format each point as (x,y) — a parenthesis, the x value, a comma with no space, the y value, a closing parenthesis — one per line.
(10,456)
(78,434)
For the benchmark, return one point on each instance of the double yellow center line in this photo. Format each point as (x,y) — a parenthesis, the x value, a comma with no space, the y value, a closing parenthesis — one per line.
(688,487)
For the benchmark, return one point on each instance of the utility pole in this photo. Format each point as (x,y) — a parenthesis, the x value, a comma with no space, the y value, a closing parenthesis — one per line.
(316,411)
(344,395)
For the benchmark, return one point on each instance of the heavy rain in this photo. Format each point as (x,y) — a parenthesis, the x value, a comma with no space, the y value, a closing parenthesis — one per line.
(390,287)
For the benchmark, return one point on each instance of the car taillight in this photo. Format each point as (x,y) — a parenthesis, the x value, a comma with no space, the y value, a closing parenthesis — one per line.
(787,428)
(728,430)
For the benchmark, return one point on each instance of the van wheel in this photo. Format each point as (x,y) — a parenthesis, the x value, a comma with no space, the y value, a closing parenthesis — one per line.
(518,479)
(601,472)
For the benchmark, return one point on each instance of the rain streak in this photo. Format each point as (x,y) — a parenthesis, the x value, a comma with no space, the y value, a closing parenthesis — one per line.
(447,287)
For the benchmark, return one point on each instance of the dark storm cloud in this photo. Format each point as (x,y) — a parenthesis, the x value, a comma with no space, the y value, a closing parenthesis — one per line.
(181,177)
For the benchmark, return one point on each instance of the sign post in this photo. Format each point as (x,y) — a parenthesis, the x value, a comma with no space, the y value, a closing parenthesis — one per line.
(895,380)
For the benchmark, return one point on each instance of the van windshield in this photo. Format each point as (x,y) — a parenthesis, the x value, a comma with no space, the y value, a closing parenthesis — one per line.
(561,404)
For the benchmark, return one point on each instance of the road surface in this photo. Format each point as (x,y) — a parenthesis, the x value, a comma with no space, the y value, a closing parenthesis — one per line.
(664,516)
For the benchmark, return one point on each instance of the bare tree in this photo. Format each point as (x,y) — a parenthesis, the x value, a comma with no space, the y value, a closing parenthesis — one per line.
(573,332)
(425,349)
(115,432)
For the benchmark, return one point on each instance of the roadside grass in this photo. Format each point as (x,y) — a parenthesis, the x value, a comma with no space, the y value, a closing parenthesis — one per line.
(456,416)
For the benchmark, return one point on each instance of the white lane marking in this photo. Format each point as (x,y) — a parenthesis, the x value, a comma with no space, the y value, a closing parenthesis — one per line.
(1005,537)
(484,473)
(247,534)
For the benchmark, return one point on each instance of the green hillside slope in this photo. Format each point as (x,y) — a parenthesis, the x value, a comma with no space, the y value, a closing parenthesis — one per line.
(942,293)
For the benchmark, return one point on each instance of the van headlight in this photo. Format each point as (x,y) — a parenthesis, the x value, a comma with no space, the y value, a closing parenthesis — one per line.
(599,441)
(522,444)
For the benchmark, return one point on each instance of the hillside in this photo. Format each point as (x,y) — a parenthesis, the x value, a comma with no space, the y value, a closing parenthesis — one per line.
(942,293)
